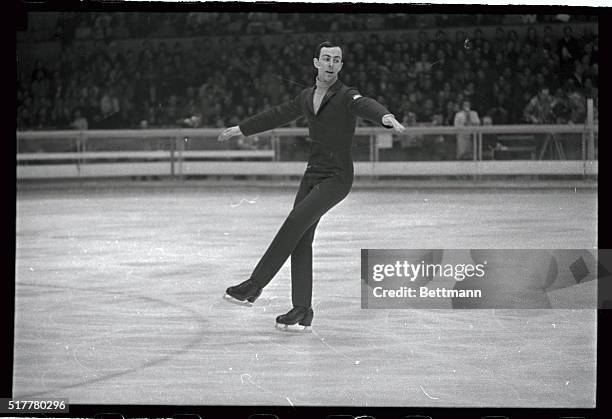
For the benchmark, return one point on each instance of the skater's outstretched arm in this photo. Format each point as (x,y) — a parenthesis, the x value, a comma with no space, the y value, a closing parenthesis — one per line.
(266,120)
(372,110)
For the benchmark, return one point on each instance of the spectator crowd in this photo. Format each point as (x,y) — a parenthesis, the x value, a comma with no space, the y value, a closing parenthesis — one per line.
(69,26)
(507,78)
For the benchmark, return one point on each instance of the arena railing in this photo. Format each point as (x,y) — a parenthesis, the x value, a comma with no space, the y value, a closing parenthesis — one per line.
(167,152)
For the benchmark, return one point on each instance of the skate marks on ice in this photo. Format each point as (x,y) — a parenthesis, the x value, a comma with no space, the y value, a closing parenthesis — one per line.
(88,338)
(119,296)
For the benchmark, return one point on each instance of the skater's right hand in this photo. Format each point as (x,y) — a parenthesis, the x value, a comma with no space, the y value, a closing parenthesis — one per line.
(390,121)
(229,133)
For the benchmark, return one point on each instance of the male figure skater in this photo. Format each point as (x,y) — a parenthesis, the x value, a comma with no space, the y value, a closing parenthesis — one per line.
(331,109)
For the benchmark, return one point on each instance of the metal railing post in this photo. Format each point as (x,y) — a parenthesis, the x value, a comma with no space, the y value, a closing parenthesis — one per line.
(172,149)
(376,149)
(180,146)
(583,146)
(591,143)
(276,146)
(591,130)
(474,137)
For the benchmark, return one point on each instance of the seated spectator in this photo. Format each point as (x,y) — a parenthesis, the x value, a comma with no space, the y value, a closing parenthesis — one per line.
(589,89)
(256,25)
(101,28)
(119,27)
(43,119)
(60,114)
(499,114)
(82,31)
(579,73)
(423,65)
(531,38)
(166,28)
(426,112)
(194,24)
(108,116)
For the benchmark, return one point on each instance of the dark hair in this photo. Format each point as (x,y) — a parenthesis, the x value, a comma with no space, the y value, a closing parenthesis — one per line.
(326,44)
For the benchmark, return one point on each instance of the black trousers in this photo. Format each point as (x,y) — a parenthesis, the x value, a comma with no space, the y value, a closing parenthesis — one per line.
(318,193)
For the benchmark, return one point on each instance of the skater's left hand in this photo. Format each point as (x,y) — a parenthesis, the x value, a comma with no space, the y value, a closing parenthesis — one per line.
(389,120)
(229,133)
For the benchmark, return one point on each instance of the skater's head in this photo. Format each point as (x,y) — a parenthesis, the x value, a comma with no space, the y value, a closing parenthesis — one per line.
(327,61)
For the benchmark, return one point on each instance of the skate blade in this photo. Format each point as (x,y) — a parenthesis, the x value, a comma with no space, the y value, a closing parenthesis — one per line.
(293,328)
(232,300)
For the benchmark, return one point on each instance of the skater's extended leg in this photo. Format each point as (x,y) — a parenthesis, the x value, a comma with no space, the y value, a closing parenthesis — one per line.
(301,257)
(248,291)
(301,270)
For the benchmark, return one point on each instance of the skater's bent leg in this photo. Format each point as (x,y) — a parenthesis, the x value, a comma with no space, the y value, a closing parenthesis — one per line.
(306,213)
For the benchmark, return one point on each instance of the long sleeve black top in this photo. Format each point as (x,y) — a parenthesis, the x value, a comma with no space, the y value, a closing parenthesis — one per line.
(331,129)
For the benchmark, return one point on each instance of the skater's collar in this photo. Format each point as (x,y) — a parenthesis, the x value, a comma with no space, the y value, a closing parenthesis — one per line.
(320,84)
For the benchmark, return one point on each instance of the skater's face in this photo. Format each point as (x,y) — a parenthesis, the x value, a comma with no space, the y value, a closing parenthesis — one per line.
(329,63)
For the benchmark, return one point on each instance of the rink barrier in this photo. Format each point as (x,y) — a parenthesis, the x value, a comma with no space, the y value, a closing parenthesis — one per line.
(177,161)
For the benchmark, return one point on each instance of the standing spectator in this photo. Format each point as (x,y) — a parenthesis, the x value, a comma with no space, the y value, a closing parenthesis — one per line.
(60,115)
(570,108)
(577,105)
(43,119)
(594,53)
(464,118)
(539,110)
(450,110)
(579,74)
(434,146)
(79,122)
(489,141)
(409,142)
(567,49)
